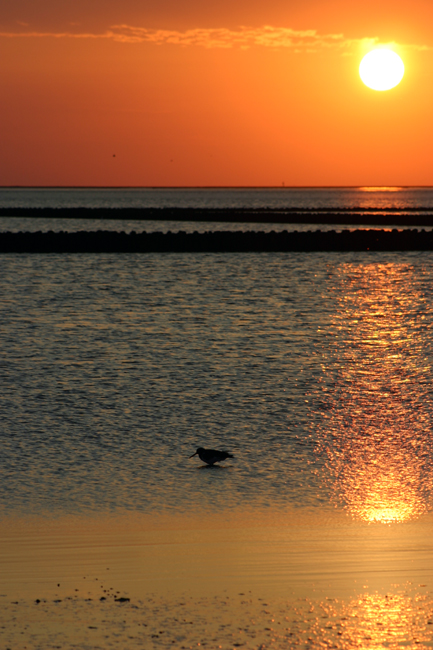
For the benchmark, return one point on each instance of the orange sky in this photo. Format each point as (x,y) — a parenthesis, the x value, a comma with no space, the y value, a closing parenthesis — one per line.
(227,92)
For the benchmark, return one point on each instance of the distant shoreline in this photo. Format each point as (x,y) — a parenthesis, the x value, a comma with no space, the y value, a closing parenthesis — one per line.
(348,216)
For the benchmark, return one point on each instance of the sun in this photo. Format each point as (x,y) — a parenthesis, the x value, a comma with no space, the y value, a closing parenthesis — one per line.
(381,69)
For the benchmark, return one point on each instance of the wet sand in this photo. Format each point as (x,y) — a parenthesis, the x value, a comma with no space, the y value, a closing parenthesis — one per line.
(228,581)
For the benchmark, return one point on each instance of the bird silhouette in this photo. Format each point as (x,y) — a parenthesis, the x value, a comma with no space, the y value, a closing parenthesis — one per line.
(211,456)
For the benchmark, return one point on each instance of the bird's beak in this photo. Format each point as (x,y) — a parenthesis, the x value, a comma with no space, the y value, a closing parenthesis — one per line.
(194,455)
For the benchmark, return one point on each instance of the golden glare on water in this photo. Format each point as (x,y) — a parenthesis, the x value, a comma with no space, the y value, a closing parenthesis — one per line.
(381,491)
(399,619)
(376,437)
(384,188)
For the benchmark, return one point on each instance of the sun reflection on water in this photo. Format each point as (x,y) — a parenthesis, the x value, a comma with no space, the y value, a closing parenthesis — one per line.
(375,431)
(383,495)
(384,188)
(398,619)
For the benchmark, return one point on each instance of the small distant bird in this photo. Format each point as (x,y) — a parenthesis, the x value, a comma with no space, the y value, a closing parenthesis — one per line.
(211,456)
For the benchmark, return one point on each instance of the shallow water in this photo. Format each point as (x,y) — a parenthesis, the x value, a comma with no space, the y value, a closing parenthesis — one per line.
(313,370)
(223,621)
(217,582)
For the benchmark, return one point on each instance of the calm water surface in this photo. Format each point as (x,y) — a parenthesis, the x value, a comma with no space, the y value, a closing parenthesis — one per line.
(35,224)
(399,199)
(313,370)
(304,198)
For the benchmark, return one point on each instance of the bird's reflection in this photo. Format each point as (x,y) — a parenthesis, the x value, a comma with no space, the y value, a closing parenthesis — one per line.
(375,430)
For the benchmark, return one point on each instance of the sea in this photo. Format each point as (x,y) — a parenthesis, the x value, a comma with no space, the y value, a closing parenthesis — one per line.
(313,369)
(363,200)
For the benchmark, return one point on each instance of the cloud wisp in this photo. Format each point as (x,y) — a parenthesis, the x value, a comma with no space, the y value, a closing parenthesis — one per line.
(308,40)
(244,37)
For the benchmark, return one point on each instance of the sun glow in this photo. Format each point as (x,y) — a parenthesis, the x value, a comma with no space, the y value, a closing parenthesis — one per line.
(385,188)
(381,69)
(376,430)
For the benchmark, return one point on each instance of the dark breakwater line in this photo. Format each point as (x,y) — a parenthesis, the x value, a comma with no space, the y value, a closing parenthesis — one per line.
(367,216)
(216,242)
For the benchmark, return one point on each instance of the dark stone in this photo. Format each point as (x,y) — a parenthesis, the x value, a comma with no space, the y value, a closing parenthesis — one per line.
(354,215)
(224,241)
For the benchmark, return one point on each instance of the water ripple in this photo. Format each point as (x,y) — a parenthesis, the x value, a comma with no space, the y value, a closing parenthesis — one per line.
(313,370)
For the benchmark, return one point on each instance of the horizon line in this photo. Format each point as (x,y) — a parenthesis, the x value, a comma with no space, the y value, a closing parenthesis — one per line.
(208,187)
